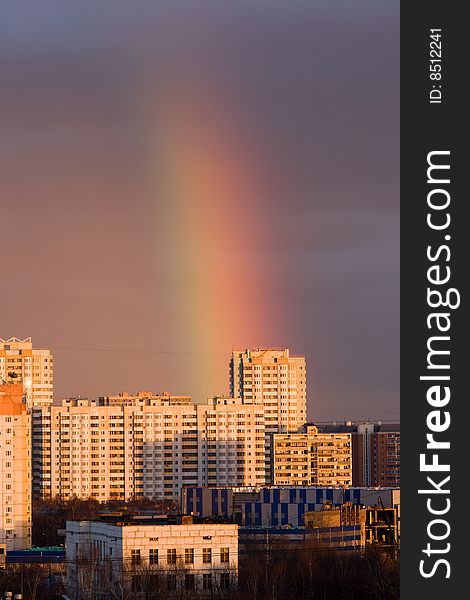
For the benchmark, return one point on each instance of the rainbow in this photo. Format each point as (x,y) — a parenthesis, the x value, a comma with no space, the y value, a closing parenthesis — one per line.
(208,174)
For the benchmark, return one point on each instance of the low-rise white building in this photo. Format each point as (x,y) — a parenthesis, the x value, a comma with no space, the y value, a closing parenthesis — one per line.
(141,555)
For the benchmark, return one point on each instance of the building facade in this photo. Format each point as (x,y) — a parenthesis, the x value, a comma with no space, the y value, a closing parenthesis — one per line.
(233,437)
(274,506)
(375,451)
(379,525)
(147,447)
(33,367)
(312,458)
(123,451)
(188,557)
(276,380)
(15,469)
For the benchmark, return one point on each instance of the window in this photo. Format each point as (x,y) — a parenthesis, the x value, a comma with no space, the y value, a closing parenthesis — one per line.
(207,581)
(189,556)
(171,582)
(189,581)
(224,555)
(153,556)
(207,555)
(135,556)
(171,557)
(225,581)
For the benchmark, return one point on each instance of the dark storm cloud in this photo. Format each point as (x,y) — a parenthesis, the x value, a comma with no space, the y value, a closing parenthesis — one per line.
(316,83)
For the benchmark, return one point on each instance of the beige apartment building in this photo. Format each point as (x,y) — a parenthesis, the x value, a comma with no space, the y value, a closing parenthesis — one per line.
(312,458)
(276,380)
(375,449)
(122,452)
(15,468)
(34,367)
(149,447)
(232,443)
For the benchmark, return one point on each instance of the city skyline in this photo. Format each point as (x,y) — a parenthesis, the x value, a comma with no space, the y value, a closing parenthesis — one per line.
(200,299)
(43,376)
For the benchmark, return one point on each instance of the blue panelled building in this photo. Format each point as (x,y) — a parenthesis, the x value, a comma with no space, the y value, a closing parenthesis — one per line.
(276,506)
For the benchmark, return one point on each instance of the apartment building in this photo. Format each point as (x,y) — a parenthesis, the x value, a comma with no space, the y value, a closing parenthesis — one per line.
(15,468)
(145,444)
(122,452)
(34,367)
(185,558)
(312,458)
(375,451)
(232,444)
(276,380)
(148,447)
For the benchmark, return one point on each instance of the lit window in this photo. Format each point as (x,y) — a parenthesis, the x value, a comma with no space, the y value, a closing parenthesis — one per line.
(206,555)
(189,556)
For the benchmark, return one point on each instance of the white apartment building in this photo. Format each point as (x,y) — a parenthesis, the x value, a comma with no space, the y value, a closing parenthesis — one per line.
(185,558)
(149,448)
(312,458)
(33,367)
(93,451)
(15,469)
(232,443)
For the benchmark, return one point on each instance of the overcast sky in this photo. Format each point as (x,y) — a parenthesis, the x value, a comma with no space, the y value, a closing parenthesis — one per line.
(179,178)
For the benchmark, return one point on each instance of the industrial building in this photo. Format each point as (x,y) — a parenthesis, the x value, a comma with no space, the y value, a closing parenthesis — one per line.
(279,506)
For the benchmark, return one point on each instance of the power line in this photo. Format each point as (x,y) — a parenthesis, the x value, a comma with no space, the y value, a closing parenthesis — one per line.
(335,371)
(134,351)
(347,375)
